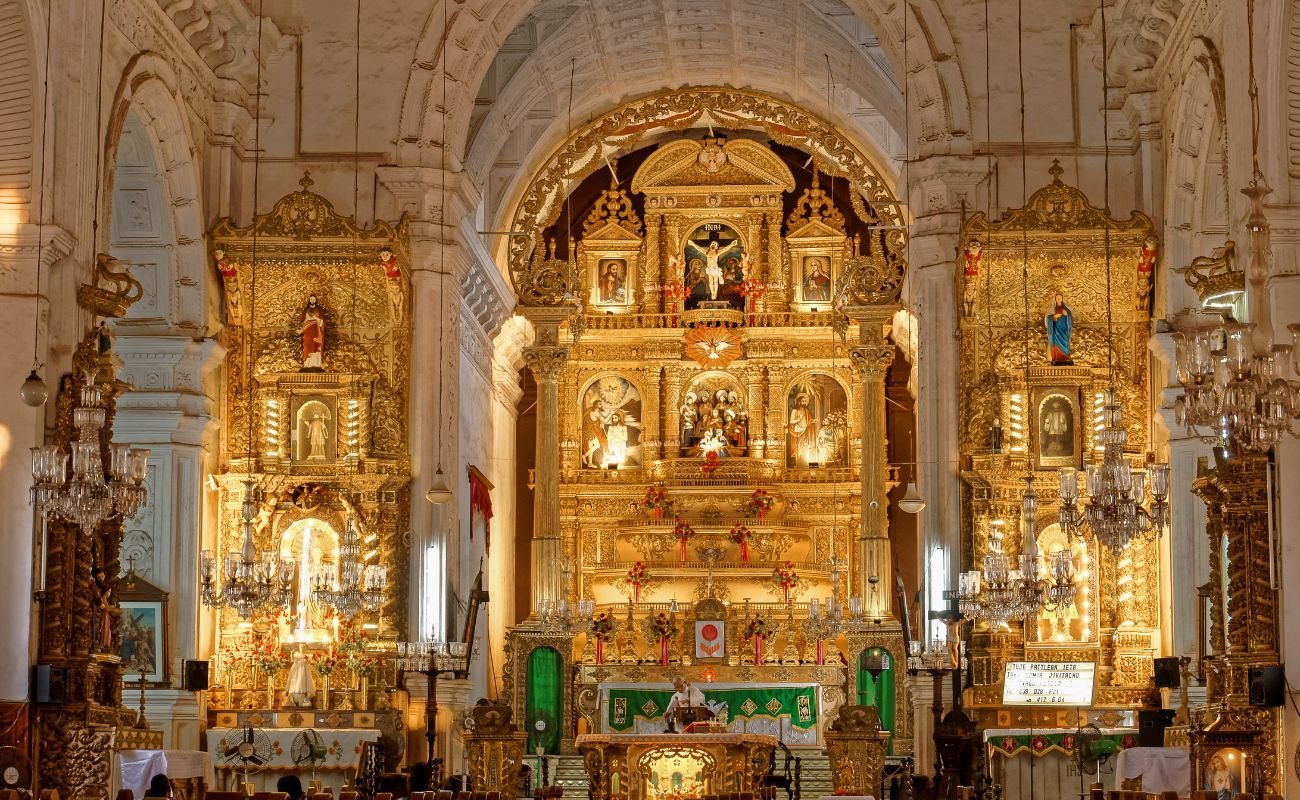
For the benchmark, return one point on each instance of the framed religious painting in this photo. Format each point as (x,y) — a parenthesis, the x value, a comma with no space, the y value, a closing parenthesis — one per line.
(611,424)
(714,265)
(144,634)
(710,631)
(1057,427)
(814,280)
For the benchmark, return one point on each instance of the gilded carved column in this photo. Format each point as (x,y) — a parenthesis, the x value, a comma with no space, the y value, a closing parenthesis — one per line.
(652,279)
(871,360)
(672,419)
(774,412)
(756,404)
(777,297)
(547,362)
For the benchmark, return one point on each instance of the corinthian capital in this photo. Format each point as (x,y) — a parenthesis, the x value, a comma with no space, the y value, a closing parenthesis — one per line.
(872,361)
(546,362)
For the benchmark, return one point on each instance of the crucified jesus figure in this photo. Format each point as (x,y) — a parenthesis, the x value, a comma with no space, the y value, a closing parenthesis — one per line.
(712,270)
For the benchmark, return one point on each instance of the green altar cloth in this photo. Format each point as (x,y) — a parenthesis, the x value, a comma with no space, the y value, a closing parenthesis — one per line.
(797,703)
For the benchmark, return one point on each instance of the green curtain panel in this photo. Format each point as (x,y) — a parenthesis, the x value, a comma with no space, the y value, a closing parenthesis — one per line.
(798,703)
(879,692)
(544,703)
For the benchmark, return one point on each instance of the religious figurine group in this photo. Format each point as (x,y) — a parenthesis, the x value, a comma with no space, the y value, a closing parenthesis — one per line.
(714,422)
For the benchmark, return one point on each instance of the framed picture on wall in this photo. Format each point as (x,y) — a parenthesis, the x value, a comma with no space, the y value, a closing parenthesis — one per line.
(144,634)
(1057,428)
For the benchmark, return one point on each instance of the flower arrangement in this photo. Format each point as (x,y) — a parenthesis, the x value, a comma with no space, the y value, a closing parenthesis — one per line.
(683,533)
(757,626)
(656,501)
(741,534)
(351,637)
(674,293)
(752,290)
(602,632)
(711,462)
(326,662)
(635,578)
(362,665)
(785,578)
(662,627)
(268,656)
(602,627)
(759,503)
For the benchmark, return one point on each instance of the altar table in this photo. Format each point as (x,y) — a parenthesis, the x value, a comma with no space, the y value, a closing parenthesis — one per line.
(1039,763)
(626,766)
(1163,769)
(135,768)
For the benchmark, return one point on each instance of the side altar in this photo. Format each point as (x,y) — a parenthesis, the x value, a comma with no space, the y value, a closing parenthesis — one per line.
(712,336)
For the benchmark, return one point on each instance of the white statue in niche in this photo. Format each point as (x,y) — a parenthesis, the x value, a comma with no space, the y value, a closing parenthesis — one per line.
(300,687)
(315,432)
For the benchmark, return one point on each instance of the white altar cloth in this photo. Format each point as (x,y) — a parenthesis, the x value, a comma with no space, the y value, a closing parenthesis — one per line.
(1163,769)
(135,768)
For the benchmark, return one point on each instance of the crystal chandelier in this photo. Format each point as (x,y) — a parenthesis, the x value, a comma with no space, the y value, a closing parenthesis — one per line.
(432,656)
(1233,376)
(353,586)
(1116,493)
(1001,594)
(89,496)
(250,581)
(562,616)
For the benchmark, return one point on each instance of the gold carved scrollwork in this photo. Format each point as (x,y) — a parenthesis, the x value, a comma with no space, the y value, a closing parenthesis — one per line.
(613,206)
(869,282)
(630,124)
(815,205)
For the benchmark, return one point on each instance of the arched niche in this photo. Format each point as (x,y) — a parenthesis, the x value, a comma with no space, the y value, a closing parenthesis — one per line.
(312,544)
(1075,621)
(816,421)
(714,415)
(610,406)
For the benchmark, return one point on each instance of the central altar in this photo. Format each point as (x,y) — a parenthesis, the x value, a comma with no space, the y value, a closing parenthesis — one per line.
(647,767)
(711,492)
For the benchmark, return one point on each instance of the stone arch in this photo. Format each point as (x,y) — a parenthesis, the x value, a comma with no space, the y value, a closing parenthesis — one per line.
(478,28)
(1197,183)
(148,129)
(19,132)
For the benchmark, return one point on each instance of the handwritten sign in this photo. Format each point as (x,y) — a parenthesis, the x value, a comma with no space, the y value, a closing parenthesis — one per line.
(1028,683)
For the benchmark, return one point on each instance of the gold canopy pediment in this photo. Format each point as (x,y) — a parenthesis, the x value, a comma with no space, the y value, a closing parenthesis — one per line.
(1057,207)
(715,163)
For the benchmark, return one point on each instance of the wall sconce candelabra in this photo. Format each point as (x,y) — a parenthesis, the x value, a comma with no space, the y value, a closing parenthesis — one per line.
(88,496)
(354,586)
(251,581)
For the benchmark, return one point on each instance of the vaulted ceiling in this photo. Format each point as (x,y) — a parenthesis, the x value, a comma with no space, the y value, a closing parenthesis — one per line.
(614,50)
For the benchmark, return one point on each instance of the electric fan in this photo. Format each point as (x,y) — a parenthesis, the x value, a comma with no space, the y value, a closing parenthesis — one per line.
(248,751)
(1091,751)
(308,750)
(15,770)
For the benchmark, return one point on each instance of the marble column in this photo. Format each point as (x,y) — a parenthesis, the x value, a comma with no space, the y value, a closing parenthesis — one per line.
(439,263)
(168,412)
(547,360)
(871,358)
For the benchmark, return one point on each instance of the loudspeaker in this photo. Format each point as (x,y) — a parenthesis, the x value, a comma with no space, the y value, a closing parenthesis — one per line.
(1266,687)
(196,676)
(1167,674)
(1151,726)
(49,683)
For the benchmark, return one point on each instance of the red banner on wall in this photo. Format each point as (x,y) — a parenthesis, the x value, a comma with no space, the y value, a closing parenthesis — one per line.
(480,503)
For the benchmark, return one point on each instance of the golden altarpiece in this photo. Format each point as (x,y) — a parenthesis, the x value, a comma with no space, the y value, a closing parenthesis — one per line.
(317,373)
(716,440)
(1029,409)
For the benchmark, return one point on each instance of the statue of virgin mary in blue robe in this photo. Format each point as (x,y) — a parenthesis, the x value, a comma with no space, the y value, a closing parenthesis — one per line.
(1060,327)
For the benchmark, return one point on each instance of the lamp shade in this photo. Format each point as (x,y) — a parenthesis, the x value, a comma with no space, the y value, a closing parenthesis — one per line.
(33,391)
(439,492)
(911,502)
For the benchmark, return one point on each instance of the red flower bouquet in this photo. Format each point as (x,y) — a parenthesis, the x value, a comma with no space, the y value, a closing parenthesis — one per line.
(656,501)
(683,533)
(602,632)
(674,293)
(752,290)
(635,578)
(756,628)
(662,627)
(741,534)
(785,578)
(759,503)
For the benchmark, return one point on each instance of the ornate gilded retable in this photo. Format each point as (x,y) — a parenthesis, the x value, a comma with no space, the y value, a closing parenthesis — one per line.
(625,766)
